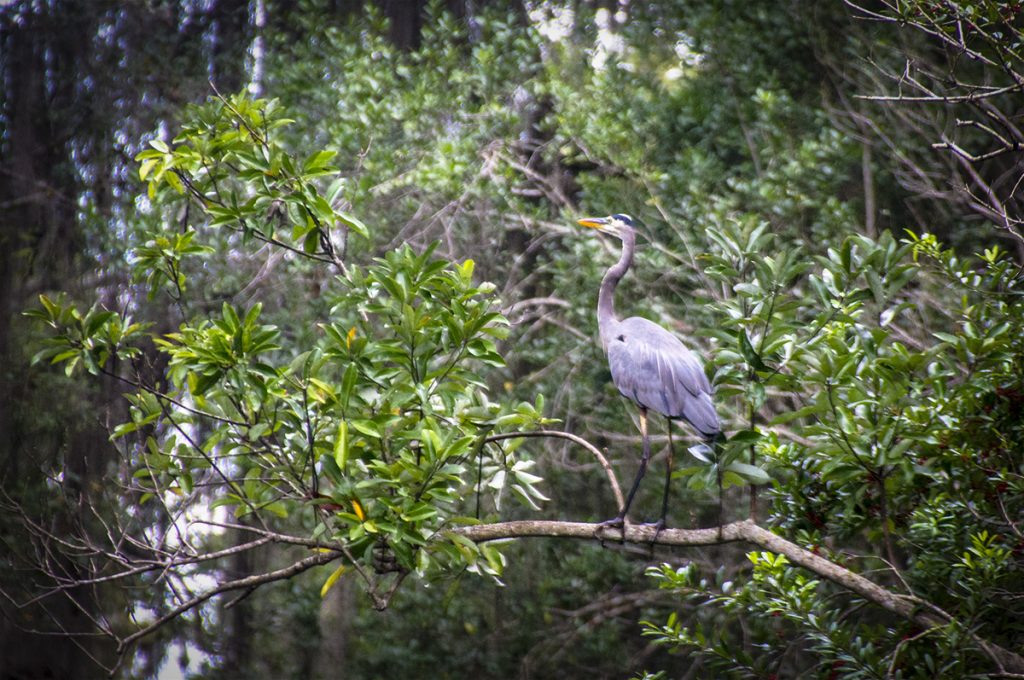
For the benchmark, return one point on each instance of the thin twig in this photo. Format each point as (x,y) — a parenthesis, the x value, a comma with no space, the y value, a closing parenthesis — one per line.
(612,480)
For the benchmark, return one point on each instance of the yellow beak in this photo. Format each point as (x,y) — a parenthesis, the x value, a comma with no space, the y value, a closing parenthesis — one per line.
(593,222)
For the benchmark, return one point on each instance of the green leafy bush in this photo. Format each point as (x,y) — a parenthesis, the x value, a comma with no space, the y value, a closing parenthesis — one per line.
(371,440)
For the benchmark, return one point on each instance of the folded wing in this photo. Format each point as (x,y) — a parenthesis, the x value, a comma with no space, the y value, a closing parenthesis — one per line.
(654,368)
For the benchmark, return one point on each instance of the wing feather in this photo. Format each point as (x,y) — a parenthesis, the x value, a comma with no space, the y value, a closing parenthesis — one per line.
(654,368)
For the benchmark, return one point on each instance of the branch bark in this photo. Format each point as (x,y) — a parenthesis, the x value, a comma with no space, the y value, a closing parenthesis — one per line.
(906,607)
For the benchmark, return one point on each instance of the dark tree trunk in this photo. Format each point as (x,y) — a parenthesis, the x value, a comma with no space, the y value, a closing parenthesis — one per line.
(335,620)
(231,36)
(39,238)
(406,19)
(238,653)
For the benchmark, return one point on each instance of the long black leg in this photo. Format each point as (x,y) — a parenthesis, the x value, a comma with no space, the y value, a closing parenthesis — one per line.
(668,474)
(660,524)
(643,461)
(619,520)
(718,479)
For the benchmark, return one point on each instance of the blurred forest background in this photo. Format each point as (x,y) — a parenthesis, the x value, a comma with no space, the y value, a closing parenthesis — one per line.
(829,201)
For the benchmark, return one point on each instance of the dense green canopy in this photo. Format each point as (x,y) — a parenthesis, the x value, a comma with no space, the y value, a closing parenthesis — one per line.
(300,372)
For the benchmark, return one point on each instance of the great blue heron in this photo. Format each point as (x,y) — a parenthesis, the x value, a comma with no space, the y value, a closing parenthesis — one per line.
(649,364)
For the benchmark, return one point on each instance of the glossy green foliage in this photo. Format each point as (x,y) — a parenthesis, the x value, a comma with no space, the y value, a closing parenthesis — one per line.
(869,382)
(907,443)
(372,438)
(90,339)
(230,160)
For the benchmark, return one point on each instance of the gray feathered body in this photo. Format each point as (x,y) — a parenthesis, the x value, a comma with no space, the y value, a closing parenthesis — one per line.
(654,368)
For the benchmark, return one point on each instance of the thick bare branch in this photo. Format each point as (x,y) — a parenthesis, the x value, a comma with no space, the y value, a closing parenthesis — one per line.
(907,607)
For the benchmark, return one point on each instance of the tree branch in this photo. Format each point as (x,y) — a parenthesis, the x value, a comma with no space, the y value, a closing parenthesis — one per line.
(249,582)
(612,480)
(907,607)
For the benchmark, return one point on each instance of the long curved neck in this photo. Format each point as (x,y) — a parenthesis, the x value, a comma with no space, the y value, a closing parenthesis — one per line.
(606,319)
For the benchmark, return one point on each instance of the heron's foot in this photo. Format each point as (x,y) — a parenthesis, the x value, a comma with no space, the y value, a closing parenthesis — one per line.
(613,523)
(659,526)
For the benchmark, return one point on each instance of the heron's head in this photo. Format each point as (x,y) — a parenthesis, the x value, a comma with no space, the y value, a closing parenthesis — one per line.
(615,225)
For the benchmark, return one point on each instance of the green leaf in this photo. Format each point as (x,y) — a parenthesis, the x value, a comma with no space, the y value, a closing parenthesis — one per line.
(348,384)
(319,160)
(63,356)
(96,320)
(419,512)
(353,224)
(749,353)
(311,242)
(746,437)
(731,479)
(175,182)
(751,473)
(147,167)
(341,446)
(367,427)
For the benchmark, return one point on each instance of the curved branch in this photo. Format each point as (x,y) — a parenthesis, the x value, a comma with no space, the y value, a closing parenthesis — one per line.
(909,608)
(620,500)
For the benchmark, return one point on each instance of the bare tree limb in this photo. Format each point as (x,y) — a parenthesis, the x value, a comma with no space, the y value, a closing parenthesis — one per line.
(906,607)
(249,582)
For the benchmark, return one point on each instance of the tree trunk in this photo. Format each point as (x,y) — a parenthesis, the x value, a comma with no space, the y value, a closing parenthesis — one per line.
(335,620)
(406,19)
(230,27)
(39,237)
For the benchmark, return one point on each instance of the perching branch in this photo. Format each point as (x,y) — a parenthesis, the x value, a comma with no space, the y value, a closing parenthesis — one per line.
(905,606)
